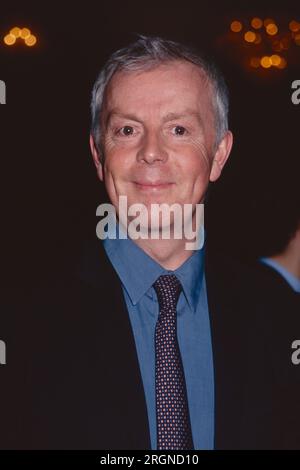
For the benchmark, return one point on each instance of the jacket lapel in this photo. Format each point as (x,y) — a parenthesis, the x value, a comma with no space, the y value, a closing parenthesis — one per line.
(228,329)
(110,335)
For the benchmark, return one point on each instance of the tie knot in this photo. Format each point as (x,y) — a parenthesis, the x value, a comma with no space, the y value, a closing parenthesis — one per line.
(168,288)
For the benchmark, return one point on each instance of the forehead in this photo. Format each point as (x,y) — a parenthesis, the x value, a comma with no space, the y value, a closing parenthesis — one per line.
(167,87)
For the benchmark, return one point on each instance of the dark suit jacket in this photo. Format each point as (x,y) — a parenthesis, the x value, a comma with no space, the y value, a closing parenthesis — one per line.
(76,382)
(272,413)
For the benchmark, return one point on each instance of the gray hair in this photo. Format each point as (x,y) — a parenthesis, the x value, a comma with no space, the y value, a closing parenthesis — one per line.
(147,53)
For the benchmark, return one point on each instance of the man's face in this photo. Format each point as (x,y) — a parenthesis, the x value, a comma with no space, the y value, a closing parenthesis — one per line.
(159,136)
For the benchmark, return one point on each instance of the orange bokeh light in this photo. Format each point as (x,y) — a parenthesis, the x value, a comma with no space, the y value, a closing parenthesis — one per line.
(256,23)
(236,26)
(294,26)
(9,39)
(283,63)
(249,36)
(25,33)
(272,29)
(30,40)
(265,62)
(15,32)
(275,60)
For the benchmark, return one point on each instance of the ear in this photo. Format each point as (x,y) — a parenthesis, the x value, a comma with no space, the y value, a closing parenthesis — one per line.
(97,157)
(221,155)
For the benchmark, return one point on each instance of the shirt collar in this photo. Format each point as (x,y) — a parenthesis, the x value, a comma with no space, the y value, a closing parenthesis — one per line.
(138,271)
(292,280)
(191,274)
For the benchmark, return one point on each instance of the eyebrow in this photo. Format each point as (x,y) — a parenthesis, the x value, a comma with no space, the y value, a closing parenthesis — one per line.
(168,117)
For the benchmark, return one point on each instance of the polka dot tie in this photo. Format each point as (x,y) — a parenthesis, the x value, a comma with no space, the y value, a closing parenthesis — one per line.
(172,413)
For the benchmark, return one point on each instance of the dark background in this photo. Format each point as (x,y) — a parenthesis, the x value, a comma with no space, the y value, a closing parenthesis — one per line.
(49,187)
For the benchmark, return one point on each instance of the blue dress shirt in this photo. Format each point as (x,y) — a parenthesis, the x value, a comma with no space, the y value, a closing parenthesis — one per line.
(137,272)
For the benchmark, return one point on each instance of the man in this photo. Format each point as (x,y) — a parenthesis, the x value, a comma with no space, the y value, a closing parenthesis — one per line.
(144,347)
(284,252)
(160,135)
(273,366)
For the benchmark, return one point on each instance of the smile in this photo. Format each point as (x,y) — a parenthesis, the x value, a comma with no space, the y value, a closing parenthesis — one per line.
(146,186)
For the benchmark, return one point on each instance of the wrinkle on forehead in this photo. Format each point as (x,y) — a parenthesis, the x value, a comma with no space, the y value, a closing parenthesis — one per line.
(194,70)
(194,73)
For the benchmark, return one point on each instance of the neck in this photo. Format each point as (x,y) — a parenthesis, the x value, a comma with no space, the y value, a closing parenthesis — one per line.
(168,253)
(290,257)
(172,252)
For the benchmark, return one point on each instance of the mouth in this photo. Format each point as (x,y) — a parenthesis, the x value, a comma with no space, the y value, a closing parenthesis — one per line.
(152,186)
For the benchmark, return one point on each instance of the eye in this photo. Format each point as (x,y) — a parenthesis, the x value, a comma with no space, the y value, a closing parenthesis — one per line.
(125,131)
(180,130)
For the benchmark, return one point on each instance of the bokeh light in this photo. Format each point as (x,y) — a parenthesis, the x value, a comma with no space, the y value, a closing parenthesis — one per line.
(265,62)
(294,26)
(267,34)
(16,32)
(275,59)
(283,63)
(30,40)
(256,23)
(249,36)
(272,29)
(236,26)
(25,33)
(9,39)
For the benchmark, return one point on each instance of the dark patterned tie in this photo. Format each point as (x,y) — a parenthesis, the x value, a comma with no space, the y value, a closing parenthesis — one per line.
(172,413)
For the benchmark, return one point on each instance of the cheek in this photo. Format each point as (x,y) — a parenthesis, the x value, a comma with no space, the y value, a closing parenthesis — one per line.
(113,161)
(194,169)
(202,153)
(116,163)
(108,143)
(117,148)
(196,163)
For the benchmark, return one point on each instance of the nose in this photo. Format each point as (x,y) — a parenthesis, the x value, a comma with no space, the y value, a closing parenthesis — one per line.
(152,149)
